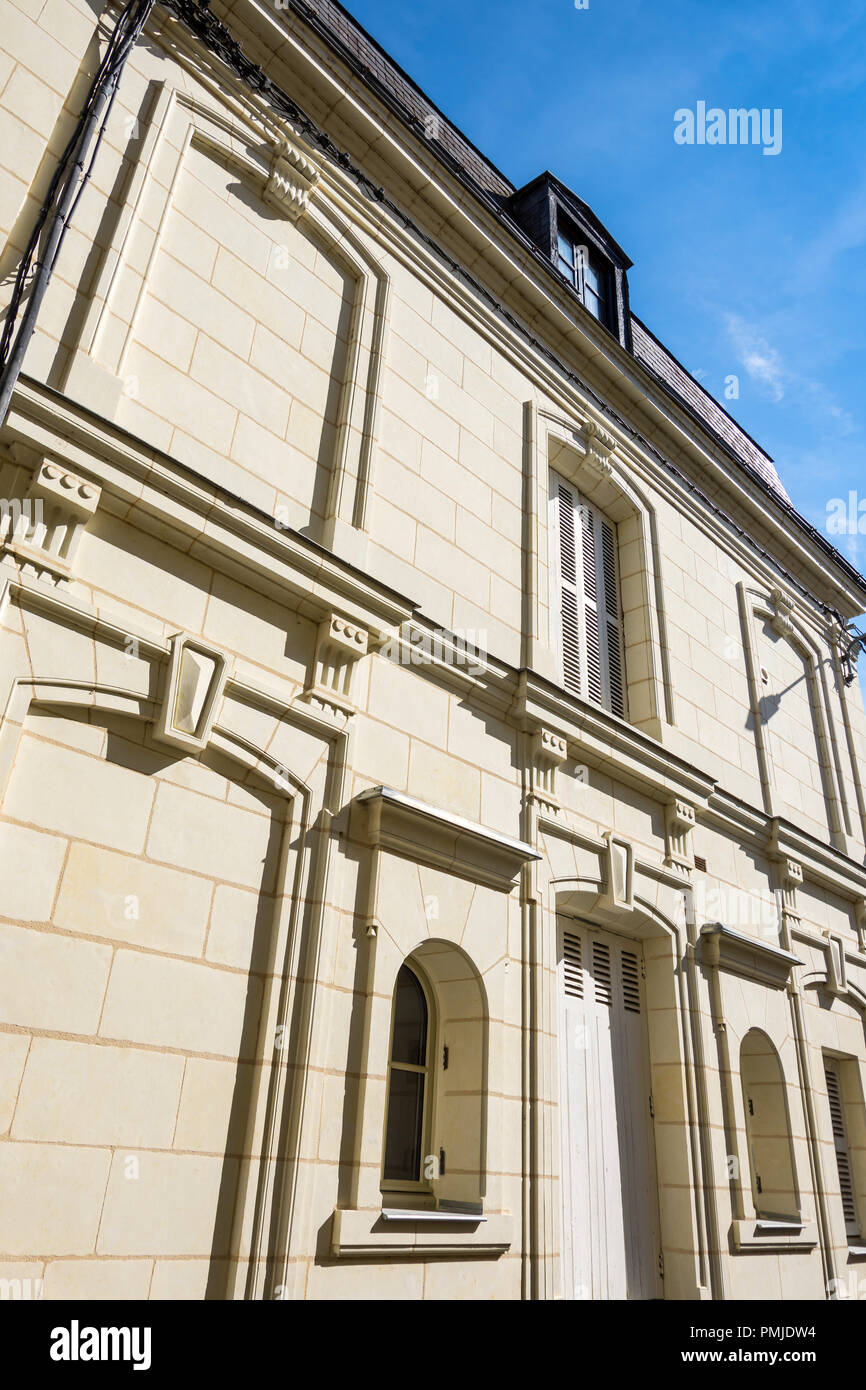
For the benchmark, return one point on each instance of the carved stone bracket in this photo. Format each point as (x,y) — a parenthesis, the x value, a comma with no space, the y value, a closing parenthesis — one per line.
(599,447)
(340,644)
(782,607)
(291,182)
(860,920)
(679,824)
(549,752)
(43,529)
(790,873)
(196,681)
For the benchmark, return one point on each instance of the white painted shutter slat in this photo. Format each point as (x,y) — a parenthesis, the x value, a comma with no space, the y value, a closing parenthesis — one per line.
(570,604)
(572,965)
(577,1119)
(588,522)
(843,1157)
(630,983)
(613,621)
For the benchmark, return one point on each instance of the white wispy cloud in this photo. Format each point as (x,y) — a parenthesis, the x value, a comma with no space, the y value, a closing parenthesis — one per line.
(765,365)
(762,361)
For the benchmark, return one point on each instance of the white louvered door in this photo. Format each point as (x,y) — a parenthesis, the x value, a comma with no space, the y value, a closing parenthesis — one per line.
(840,1139)
(610,1198)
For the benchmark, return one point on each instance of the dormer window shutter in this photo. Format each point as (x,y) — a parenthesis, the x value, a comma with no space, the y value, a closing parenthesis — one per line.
(586,599)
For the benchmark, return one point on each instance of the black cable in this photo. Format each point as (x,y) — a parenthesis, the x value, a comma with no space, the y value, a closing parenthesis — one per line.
(67,184)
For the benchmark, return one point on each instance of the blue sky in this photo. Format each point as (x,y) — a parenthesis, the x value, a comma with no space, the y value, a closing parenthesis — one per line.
(745,264)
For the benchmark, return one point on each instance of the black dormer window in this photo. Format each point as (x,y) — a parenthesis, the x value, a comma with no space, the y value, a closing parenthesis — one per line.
(579,247)
(588,276)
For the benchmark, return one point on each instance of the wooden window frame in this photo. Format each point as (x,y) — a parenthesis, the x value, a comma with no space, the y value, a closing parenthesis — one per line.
(422,1186)
(582,257)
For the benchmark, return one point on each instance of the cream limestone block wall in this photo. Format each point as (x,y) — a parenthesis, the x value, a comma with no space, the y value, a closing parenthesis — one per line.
(138,993)
(793,735)
(140,934)
(707,654)
(449,477)
(240,344)
(47,65)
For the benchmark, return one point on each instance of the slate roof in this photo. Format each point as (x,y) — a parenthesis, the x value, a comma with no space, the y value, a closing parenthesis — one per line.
(673,375)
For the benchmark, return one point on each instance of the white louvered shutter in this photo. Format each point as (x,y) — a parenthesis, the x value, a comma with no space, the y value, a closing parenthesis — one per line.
(570,603)
(587,600)
(613,621)
(840,1139)
(592,617)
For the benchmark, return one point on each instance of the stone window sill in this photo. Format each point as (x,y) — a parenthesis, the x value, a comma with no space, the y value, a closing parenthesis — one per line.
(403,1235)
(756,1234)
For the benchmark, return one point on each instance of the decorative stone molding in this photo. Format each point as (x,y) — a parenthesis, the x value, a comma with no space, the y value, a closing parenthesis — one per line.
(790,873)
(418,1234)
(340,644)
(196,681)
(837,968)
(679,824)
(775,1236)
(412,828)
(782,607)
(746,955)
(599,447)
(291,182)
(43,529)
(618,893)
(549,752)
(860,920)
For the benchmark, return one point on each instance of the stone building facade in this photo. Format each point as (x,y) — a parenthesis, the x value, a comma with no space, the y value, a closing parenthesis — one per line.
(433,801)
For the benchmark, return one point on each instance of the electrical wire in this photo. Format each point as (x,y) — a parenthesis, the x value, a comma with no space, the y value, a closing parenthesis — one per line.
(70,178)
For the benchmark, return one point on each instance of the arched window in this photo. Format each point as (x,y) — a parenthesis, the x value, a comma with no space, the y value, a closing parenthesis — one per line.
(407,1081)
(435,1134)
(768,1130)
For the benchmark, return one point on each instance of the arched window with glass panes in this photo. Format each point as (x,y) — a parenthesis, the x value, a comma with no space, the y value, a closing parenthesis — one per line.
(408,1083)
(586,601)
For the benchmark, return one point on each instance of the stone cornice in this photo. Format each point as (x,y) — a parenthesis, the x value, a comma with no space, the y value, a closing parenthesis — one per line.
(598,739)
(429,835)
(746,955)
(779,839)
(148,488)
